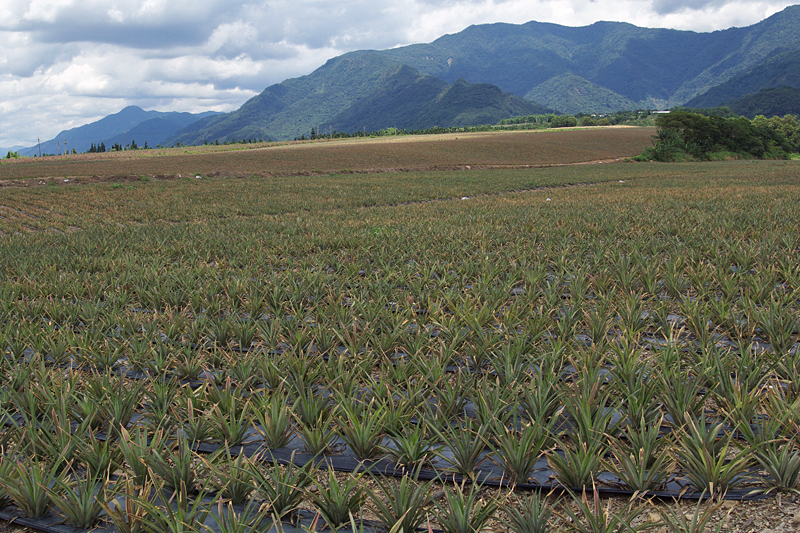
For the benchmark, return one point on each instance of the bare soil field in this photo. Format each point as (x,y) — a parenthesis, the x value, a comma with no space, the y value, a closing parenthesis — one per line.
(432,152)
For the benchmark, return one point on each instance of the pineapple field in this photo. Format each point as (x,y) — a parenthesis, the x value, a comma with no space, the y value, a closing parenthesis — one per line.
(580,347)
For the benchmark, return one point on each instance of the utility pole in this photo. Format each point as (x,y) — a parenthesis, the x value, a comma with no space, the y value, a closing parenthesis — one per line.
(39,141)
(65,147)
(58,147)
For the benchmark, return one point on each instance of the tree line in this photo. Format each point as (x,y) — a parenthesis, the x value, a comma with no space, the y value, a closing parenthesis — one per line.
(116,147)
(682,133)
(685,135)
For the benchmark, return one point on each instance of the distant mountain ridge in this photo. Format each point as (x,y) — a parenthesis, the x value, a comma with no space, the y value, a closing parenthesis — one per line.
(4,151)
(650,67)
(604,67)
(769,101)
(359,91)
(572,94)
(489,72)
(413,101)
(783,69)
(132,123)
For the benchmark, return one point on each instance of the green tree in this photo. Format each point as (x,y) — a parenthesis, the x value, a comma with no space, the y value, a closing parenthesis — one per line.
(699,133)
(563,121)
(700,136)
(667,144)
(787,125)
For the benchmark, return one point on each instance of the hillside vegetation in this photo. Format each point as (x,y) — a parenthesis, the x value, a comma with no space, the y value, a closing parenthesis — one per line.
(652,67)
(769,102)
(780,71)
(572,94)
(411,101)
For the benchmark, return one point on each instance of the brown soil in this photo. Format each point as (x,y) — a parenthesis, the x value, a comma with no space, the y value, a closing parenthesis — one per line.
(127,178)
(778,513)
(413,153)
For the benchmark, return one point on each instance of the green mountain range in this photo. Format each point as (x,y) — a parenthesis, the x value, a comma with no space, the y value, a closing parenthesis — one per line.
(646,66)
(783,69)
(413,101)
(360,90)
(480,74)
(568,93)
(494,71)
(770,101)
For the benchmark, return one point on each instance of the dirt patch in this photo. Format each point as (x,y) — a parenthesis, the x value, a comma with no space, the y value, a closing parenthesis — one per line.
(84,180)
(128,178)
(776,514)
(495,150)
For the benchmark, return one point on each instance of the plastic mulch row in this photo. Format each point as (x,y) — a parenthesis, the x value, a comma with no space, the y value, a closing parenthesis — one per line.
(488,473)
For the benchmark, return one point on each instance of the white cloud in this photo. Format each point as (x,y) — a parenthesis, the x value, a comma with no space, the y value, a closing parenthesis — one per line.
(238,34)
(45,10)
(78,79)
(64,63)
(115,15)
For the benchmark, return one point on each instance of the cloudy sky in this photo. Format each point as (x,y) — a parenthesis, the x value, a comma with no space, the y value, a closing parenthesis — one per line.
(64,63)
